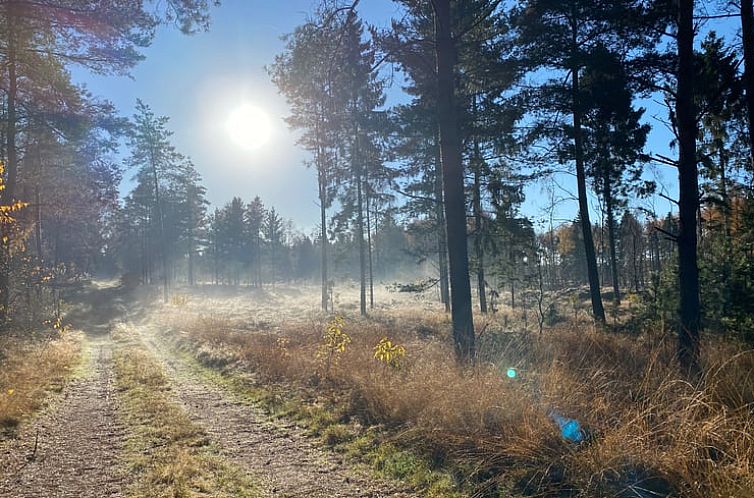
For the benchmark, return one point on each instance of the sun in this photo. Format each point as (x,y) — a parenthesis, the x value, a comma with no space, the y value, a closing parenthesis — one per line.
(249,127)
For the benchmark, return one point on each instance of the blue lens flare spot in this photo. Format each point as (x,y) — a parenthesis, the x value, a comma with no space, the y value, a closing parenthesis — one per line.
(570,429)
(511,373)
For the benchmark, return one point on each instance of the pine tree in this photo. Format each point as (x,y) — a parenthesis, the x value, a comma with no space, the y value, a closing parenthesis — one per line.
(688,186)
(562,37)
(274,231)
(156,161)
(614,139)
(254,218)
(307,73)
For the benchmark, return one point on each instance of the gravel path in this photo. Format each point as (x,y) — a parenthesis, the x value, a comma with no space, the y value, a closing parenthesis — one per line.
(78,441)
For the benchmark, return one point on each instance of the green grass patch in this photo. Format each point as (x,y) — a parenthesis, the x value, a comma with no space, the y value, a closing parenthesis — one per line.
(398,463)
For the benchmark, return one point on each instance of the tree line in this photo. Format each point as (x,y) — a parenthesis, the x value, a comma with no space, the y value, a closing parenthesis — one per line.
(58,141)
(502,92)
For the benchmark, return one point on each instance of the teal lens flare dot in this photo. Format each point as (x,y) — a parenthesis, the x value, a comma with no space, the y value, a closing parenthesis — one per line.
(511,373)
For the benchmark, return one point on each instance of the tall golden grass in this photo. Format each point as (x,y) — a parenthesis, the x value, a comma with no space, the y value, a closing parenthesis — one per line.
(647,430)
(29,370)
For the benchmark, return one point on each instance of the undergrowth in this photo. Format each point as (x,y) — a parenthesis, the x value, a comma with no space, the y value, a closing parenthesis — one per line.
(643,430)
(30,369)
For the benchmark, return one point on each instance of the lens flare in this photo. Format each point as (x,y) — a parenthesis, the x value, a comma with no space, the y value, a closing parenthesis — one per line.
(511,373)
(570,429)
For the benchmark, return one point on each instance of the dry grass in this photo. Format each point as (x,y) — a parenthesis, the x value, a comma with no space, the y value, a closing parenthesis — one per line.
(648,431)
(29,370)
(168,453)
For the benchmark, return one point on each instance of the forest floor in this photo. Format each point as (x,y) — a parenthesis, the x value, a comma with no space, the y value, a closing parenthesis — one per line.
(87,442)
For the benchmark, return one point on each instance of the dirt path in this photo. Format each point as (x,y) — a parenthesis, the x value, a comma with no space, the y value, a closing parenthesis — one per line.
(283,456)
(79,440)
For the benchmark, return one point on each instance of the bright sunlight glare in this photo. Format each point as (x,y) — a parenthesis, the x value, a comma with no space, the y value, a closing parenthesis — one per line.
(249,127)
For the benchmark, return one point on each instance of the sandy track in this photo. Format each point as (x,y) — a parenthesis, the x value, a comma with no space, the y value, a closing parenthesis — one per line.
(79,440)
(288,461)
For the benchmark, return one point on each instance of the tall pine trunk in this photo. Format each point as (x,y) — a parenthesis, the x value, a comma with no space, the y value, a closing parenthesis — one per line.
(369,243)
(8,195)
(586,225)
(38,223)
(608,194)
(442,241)
(191,258)
(259,259)
(452,168)
(688,185)
(747,33)
(161,226)
(362,244)
(323,230)
(478,248)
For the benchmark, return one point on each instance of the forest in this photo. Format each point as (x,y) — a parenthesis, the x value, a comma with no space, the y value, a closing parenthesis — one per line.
(525,267)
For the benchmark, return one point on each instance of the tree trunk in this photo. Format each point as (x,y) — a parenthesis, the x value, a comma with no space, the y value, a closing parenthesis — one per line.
(143,255)
(513,294)
(442,241)
(12,163)
(323,231)
(747,32)
(726,203)
(191,259)
(191,240)
(362,248)
(608,193)
(9,194)
(635,259)
(455,204)
(478,248)
(369,246)
(688,185)
(272,263)
(259,260)
(586,226)
(161,225)
(216,261)
(38,223)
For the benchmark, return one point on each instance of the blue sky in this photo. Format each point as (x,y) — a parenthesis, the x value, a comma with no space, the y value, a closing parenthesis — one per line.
(199,80)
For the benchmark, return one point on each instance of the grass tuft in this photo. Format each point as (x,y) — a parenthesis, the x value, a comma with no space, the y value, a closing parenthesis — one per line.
(31,369)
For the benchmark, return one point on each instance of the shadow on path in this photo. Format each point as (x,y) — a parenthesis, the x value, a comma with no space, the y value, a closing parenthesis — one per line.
(97,305)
